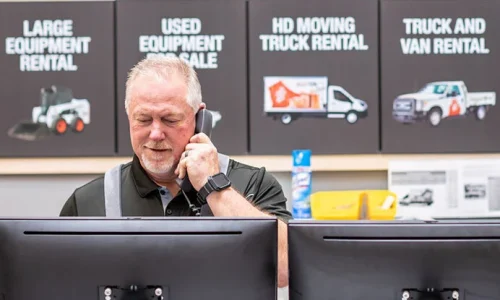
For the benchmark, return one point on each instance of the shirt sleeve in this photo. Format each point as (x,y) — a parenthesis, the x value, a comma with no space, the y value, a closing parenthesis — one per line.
(270,197)
(69,208)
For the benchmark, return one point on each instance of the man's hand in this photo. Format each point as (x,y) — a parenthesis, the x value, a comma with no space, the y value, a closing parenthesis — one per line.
(200,160)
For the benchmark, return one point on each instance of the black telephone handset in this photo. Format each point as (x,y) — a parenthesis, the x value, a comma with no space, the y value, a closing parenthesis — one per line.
(203,124)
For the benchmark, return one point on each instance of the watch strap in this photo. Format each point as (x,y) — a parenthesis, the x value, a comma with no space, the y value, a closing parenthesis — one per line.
(204,192)
(213,184)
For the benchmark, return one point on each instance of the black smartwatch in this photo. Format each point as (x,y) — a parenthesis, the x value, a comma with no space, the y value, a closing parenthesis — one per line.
(218,182)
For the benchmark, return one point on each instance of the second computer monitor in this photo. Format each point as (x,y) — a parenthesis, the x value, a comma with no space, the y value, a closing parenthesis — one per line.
(394,261)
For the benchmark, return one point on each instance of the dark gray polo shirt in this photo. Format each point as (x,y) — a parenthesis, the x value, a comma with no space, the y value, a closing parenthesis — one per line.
(141,197)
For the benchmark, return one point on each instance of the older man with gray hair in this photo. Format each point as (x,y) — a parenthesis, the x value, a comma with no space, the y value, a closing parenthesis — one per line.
(163,96)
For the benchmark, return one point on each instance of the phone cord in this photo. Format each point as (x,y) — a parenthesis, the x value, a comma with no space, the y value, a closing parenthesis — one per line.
(193,208)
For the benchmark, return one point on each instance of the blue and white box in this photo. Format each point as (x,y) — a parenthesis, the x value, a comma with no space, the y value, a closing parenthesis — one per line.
(301,184)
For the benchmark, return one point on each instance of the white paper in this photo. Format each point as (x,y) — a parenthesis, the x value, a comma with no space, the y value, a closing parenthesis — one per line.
(446,188)
(480,190)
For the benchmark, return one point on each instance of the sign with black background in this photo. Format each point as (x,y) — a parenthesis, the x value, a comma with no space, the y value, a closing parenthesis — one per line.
(57,88)
(214,46)
(313,76)
(446,43)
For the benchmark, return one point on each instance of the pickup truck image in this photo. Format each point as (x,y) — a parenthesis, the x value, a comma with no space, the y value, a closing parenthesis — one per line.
(289,98)
(439,100)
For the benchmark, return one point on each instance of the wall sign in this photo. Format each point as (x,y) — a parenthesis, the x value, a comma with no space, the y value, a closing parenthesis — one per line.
(439,83)
(313,76)
(211,37)
(58,89)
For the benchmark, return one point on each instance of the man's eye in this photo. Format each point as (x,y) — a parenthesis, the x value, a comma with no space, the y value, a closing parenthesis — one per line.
(171,121)
(143,120)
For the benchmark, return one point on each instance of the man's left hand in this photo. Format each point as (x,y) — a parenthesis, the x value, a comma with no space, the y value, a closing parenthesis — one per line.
(200,160)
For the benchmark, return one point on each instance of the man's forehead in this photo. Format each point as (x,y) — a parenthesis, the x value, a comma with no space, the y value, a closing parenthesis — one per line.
(165,107)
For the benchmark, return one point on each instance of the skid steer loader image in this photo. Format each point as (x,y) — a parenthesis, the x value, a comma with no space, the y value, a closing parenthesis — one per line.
(58,113)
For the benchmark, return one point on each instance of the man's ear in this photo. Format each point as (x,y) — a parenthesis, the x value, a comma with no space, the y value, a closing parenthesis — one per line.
(202,106)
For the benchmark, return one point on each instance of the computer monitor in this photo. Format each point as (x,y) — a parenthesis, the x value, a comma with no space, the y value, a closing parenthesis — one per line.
(413,260)
(148,258)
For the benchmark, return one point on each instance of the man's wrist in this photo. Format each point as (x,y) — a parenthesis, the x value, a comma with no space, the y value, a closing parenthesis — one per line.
(216,183)
(215,195)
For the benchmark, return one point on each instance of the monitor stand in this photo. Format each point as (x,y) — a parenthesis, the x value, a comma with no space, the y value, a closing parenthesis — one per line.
(430,294)
(133,292)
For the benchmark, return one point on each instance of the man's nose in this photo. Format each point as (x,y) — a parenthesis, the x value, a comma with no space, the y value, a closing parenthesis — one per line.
(157,133)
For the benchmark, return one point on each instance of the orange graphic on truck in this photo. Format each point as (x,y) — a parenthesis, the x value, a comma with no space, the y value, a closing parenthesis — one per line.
(454,108)
(282,96)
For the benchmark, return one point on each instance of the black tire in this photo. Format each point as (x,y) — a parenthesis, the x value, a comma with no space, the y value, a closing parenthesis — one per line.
(351,117)
(435,116)
(480,113)
(286,119)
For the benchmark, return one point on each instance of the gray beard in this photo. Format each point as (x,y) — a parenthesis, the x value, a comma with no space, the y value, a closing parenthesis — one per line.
(160,168)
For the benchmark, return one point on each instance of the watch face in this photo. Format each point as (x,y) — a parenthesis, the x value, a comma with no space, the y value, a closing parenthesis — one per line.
(220,180)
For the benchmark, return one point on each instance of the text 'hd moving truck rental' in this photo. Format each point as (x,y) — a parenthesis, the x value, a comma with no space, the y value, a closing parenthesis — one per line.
(439,100)
(289,98)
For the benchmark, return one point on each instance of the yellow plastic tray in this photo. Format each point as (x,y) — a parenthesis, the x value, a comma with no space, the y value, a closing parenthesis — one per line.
(352,205)
(376,199)
(336,205)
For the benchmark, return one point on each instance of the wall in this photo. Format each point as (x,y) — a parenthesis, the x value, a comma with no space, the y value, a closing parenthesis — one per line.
(43,196)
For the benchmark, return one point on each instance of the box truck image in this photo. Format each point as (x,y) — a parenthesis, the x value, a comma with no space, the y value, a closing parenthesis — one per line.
(290,98)
(439,100)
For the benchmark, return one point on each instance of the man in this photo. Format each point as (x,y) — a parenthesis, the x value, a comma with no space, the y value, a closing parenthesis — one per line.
(162,98)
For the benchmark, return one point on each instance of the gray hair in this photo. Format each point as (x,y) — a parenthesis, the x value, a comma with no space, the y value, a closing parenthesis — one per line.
(160,67)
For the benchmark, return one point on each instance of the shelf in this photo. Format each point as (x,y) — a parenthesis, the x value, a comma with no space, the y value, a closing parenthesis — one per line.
(92,165)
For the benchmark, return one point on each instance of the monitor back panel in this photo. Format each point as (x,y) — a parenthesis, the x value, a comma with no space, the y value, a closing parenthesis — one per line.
(358,261)
(198,258)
